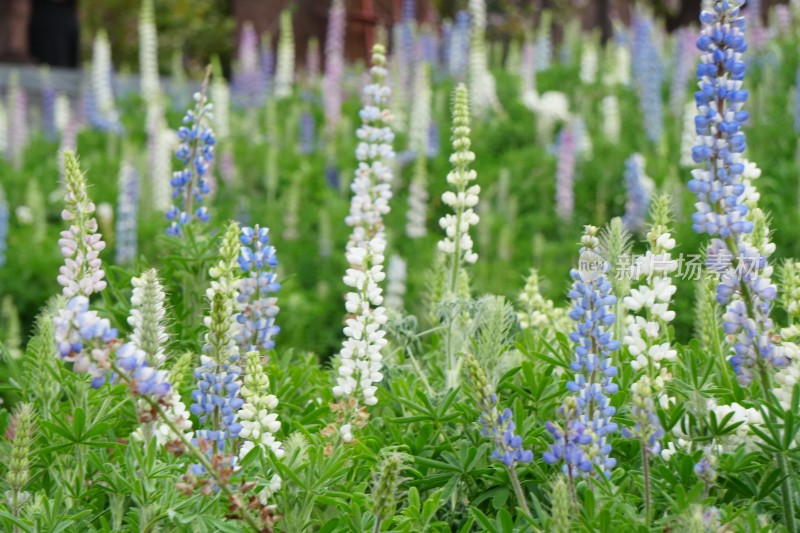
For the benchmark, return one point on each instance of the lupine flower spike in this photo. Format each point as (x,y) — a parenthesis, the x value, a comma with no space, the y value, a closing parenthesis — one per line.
(81,244)
(18,475)
(255,301)
(127,213)
(581,438)
(648,341)
(361,355)
(639,187)
(217,399)
(498,426)
(196,153)
(456,246)
(719,186)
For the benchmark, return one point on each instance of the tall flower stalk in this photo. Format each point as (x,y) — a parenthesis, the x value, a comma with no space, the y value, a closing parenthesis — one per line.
(148,51)
(481,82)
(457,242)
(81,244)
(639,187)
(565,174)
(217,399)
(105,115)
(196,153)
(255,300)
(360,356)
(418,143)
(127,213)
(334,65)
(284,73)
(719,185)
(722,211)
(648,341)
(498,427)
(581,437)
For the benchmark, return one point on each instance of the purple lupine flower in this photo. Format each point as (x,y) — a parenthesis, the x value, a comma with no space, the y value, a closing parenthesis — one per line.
(459,45)
(783,18)
(17,138)
(307,133)
(84,339)
(639,187)
(267,64)
(227,167)
(434,143)
(332,176)
(797,101)
(683,62)
(145,380)
(569,440)
(216,398)
(334,64)
(429,46)
(217,395)
(719,186)
(565,174)
(257,303)
(4,219)
(446,43)
(496,425)
(49,112)
(127,213)
(649,74)
(196,152)
(589,412)
(248,85)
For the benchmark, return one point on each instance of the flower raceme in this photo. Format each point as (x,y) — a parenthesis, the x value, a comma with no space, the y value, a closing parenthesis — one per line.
(582,439)
(256,304)
(496,425)
(457,241)
(364,329)
(81,244)
(720,186)
(216,398)
(196,153)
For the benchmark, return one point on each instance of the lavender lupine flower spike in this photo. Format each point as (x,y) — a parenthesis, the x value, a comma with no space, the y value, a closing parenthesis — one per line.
(82,273)
(256,303)
(649,75)
(334,64)
(582,439)
(718,184)
(496,424)
(249,82)
(639,188)
(4,218)
(217,399)
(196,152)
(565,174)
(127,213)
(361,358)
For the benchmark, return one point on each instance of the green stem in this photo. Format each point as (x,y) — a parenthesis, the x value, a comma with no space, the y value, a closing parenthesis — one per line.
(521,500)
(786,492)
(420,373)
(646,481)
(786,484)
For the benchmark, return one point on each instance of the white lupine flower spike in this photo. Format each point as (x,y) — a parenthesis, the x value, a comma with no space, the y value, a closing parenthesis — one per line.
(365,335)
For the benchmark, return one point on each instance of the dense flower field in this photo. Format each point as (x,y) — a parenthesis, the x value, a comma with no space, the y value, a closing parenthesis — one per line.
(467,287)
